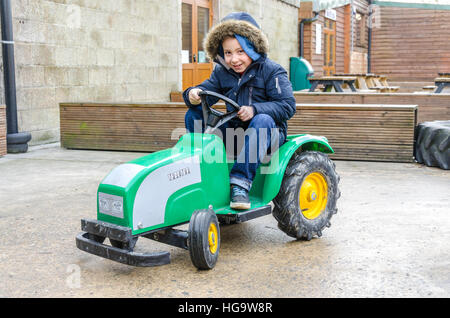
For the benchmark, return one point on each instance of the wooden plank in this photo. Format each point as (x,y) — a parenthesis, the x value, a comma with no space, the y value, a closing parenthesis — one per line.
(442,80)
(430,106)
(333,78)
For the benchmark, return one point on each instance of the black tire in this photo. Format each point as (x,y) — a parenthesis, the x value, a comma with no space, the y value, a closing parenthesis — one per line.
(432,146)
(204,239)
(319,172)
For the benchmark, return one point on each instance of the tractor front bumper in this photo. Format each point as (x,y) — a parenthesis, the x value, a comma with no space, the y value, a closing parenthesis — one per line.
(95,232)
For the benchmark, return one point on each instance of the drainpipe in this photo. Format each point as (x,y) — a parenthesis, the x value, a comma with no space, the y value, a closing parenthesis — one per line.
(302,22)
(16,142)
(369,40)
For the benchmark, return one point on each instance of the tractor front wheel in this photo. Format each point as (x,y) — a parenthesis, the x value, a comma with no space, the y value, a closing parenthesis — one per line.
(204,239)
(308,195)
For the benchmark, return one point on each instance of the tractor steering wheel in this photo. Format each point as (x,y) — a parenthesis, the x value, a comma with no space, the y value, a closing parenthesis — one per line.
(212,117)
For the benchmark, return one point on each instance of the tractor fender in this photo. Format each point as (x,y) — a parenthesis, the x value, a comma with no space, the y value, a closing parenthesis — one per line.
(277,166)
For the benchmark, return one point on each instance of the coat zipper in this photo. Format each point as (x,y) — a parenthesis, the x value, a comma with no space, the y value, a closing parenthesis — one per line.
(277,85)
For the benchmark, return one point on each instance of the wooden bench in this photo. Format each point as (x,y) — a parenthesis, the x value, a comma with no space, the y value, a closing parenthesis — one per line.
(3,146)
(369,82)
(384,83)
(356,132)
(441,83)
(364,81)
(129,127)
(429,88)
(360,132)
(430,106)
(379,83)
(330,82)
(360,83)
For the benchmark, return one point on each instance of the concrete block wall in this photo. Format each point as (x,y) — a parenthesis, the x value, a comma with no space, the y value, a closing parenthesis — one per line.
(91,51)
(114,51)
(278,20)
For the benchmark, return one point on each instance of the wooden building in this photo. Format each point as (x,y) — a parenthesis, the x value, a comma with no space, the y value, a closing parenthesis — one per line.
(406,40)
(334,35)
(411,43)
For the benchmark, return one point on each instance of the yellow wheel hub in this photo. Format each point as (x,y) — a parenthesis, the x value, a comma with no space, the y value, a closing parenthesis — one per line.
(213,238)
(313,195)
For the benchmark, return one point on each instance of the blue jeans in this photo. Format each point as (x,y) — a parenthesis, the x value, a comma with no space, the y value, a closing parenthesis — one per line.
(258,137)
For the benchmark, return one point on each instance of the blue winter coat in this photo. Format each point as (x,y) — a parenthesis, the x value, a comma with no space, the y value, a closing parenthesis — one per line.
(264,85)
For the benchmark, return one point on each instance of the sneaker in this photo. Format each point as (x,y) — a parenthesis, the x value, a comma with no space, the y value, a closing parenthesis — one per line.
(239,198)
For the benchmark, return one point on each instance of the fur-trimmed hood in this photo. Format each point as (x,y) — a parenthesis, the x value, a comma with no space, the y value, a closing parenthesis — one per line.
(240,23)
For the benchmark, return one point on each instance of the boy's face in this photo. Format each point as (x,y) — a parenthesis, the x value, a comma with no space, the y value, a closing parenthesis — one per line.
(235,56)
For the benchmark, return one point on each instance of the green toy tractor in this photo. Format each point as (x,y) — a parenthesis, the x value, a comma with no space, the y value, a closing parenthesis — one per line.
(189,183)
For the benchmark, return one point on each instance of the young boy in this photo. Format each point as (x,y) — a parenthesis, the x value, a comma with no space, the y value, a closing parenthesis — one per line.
(244,74)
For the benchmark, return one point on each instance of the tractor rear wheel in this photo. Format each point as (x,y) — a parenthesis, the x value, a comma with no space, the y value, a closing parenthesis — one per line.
(308,195)
(204,239)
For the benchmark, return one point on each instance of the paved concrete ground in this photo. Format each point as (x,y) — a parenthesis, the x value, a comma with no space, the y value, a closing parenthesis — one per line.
(390,238)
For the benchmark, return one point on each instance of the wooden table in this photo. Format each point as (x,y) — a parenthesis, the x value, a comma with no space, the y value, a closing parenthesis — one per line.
(441,83)
(379,82)
(361,79)
(371,82)
(332,81)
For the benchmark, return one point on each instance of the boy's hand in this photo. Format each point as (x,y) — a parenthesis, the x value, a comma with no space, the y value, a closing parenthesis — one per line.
(246,113)
(194,98)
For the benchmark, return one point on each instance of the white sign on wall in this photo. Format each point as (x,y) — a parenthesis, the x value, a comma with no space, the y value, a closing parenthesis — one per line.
(330,14)
(318,38)
(184,56)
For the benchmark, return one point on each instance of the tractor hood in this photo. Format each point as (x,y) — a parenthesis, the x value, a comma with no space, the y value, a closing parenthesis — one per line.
(137,194)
